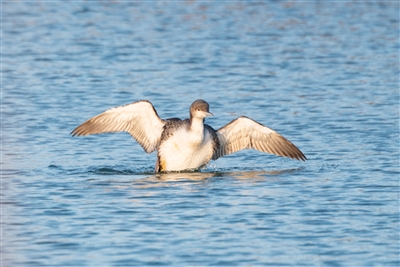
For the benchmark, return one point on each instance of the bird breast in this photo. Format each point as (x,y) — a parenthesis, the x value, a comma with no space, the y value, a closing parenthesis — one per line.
(185,150)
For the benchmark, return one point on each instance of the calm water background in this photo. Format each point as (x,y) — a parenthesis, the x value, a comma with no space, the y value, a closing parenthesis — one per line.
(325,75)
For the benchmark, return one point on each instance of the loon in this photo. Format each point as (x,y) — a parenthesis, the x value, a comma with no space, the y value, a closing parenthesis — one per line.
(187,144)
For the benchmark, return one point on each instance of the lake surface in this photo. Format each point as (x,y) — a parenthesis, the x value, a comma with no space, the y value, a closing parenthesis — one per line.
(323,74)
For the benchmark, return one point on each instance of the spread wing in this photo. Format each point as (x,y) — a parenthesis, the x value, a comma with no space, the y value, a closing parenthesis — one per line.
(140,119)
(245,133)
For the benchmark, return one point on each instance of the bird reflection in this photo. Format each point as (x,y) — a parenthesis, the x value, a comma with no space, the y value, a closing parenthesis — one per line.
(205,175)
(176,176)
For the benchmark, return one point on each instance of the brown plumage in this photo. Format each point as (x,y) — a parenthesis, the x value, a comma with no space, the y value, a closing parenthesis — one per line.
(245,133)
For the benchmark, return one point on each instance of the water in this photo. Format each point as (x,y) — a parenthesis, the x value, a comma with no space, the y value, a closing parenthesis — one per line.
(323,74)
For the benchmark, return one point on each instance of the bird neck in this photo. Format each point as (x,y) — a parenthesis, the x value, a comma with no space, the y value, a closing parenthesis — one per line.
(196,125)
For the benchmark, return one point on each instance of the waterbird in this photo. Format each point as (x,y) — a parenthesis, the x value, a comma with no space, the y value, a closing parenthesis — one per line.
(187,144)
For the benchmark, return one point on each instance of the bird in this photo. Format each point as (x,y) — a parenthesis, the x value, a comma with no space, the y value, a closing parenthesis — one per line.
(187,144)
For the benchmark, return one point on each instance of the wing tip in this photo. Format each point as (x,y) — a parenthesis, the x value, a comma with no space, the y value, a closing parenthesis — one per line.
(298,155)
(74,132)
(302,157)
(81,131)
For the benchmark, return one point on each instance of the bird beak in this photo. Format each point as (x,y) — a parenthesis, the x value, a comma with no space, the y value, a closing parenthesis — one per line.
(209,114)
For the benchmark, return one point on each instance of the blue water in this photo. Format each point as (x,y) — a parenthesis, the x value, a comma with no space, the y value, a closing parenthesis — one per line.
(323,74)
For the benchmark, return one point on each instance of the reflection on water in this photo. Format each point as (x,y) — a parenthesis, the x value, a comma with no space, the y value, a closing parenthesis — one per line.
(197,175)
(159,179)
(176,176)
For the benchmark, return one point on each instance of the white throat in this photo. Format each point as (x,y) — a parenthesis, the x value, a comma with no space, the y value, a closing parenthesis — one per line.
(197,125)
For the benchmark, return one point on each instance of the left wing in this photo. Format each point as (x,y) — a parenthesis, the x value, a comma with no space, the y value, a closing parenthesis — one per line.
(140,119)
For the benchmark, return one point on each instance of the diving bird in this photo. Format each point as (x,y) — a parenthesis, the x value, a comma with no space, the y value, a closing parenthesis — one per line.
(187,144)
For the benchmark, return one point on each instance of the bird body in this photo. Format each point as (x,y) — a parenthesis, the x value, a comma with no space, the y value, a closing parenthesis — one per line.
(185,148)
(190,143)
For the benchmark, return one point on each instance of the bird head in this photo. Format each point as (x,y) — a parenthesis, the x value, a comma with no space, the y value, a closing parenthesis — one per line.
(200,109)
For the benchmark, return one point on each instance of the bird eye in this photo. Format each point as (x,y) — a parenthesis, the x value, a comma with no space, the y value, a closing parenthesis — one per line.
(198,109)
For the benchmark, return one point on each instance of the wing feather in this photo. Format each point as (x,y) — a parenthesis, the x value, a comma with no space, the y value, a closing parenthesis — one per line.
(139,119)
(245,133)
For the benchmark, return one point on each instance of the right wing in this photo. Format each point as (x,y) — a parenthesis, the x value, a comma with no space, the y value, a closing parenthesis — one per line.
(245,133)
(139,119)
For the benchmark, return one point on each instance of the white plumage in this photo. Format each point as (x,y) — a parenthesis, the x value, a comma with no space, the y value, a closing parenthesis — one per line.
(184,151)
